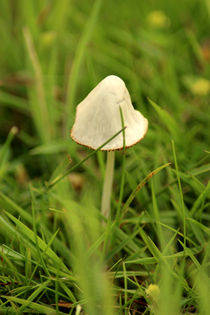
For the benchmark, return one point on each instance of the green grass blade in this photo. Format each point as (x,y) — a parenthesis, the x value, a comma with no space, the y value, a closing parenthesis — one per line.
(43,309)
(140,186)
(30,235)
(78,59)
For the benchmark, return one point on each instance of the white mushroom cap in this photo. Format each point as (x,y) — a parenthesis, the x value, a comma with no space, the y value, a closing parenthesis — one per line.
(98,117)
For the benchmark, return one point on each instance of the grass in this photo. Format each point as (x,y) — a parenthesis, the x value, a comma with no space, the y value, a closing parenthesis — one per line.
(152,256)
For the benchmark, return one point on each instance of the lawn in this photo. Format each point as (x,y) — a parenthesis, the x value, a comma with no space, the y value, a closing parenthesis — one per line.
(58,253)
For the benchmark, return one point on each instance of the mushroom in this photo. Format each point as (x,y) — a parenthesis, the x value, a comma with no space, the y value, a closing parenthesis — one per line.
(98,119)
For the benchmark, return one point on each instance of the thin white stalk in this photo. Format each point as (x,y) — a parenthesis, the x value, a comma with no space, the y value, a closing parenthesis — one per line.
(107,188)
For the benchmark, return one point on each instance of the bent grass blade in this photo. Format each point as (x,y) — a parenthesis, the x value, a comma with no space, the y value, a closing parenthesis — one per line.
(140,186)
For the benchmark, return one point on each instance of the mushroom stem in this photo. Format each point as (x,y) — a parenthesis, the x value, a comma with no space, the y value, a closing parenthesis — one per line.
(107,188)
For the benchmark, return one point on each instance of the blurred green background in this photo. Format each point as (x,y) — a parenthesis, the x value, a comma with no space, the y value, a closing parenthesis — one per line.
(53,53)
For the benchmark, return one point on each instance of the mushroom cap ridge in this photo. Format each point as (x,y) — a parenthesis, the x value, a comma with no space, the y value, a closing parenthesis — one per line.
(98,117)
